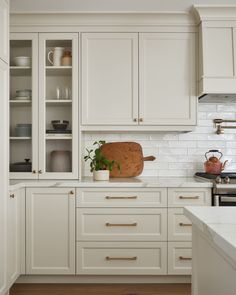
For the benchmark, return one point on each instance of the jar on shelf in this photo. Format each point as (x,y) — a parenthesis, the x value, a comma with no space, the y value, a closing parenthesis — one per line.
(66,59)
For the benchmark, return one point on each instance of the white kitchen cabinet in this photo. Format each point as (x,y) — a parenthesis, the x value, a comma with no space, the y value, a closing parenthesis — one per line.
(4,30)
(50,231)
(156,89)
(167,79)
(109,78)
(24,110)
(4,173)
(54,97)
(121,258)
(15,234)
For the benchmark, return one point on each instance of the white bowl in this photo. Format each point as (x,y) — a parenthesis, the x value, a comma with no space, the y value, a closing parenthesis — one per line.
(22,61)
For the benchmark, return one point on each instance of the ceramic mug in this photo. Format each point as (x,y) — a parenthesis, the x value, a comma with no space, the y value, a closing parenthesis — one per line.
(57,54)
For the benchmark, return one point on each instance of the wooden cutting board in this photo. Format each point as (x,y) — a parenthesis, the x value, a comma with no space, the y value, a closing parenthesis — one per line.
(129,155)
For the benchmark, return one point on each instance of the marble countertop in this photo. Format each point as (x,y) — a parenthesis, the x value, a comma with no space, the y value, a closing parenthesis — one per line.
(148,182)
(219,224)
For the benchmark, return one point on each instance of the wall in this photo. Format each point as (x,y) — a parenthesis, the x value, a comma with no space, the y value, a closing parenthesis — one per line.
(180,154)
(109,5)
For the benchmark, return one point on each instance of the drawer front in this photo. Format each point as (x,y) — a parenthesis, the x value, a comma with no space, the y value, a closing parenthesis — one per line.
(121,197)
(179,226)
(180,197)
(104,224)
(179,258)
(121,258)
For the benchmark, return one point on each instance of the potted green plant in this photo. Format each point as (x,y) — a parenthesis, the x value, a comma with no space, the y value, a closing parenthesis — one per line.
(99,165)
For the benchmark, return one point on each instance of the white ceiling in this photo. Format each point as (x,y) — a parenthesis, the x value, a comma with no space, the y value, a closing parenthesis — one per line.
(109,5)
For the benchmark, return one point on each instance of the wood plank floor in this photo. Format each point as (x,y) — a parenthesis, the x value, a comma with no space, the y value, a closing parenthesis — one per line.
(101,289)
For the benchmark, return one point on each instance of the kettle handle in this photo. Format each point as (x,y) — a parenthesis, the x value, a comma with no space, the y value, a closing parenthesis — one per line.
(213,151)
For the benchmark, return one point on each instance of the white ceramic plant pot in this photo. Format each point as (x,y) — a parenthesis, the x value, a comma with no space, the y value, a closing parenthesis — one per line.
(101,175)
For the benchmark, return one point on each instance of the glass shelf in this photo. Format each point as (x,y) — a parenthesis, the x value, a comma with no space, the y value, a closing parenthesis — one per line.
(20,138)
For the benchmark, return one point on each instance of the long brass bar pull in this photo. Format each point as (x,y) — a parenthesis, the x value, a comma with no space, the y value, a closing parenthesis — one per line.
(185,224)
(121,258)
(121,198)
(121,224)
(189,198)
(185,258)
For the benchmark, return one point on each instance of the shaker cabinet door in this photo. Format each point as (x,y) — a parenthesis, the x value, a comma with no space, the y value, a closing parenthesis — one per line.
(50,231)
(4,24)
(109,78)
(167,79)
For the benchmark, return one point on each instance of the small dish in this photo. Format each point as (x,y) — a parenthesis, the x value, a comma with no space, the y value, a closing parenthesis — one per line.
(22,61)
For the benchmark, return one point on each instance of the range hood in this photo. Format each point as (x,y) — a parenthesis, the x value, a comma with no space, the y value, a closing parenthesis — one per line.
(217,53)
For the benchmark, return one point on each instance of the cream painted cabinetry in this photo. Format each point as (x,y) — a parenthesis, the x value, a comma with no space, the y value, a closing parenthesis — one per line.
(147,83)
(50,231)
(121,237)
(4,30)
(180,227)
(4,173)
(167,79)
(15,235)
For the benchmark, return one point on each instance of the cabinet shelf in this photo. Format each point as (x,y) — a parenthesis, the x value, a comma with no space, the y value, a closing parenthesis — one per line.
(58,101)
(20,138)
(20,71)
(58,137)
(20,102)
(59,71)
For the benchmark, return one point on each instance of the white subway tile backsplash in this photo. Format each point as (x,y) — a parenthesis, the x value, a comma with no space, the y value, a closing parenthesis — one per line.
(179,154)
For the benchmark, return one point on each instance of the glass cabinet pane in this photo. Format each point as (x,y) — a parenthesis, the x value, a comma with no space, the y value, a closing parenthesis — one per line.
(58,103)
(22,97)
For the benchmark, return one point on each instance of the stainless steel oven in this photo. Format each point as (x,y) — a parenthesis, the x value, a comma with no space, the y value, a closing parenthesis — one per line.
(224,188)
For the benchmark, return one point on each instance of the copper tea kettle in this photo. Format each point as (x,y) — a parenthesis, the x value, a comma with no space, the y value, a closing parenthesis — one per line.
(213,165)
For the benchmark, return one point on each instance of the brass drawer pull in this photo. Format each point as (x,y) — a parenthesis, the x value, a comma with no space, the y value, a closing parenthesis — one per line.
(12,196)
(185,258)
(121,198)
(121,258)
(121,224)
(189,198)
(185,224)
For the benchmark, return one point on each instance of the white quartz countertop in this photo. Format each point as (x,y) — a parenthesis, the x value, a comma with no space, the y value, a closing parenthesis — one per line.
(148,182)
(219,224)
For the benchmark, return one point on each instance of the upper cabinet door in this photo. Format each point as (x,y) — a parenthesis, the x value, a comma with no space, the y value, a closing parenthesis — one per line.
(4,32)
(167,79)
(109,78)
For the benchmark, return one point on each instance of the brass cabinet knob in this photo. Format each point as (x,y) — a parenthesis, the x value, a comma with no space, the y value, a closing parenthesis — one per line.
(141,120)
(34,172)
(135,120)
(71,192)
(12,196)
(40,171)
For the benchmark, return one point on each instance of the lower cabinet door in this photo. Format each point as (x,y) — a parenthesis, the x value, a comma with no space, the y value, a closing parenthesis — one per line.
(179,226)
(179,258)
(50,231)
(121,258)
(14,230)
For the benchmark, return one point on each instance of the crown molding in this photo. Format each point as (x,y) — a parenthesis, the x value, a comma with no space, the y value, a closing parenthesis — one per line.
(214,12)
(70,18)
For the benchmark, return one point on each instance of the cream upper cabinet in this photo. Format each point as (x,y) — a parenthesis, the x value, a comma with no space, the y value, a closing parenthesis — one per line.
(4,19)
(167,79)
(50,231)
(109,78)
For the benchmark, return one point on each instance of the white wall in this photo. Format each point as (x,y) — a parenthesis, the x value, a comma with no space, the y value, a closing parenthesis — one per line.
(180,154)
(109,5)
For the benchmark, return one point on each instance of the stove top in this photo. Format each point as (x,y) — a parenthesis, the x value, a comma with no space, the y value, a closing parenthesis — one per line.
(231,175)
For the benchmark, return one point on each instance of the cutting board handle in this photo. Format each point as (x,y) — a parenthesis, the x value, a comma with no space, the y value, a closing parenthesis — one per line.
(149,158)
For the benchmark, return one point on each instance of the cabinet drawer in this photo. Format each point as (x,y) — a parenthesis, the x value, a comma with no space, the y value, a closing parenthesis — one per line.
(180,197)
(121,258)
(179,258)
(122,197)
(104,224)
(179,226)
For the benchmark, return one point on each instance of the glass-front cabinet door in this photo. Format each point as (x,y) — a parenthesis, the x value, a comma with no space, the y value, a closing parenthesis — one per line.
(58,105)
(24,106)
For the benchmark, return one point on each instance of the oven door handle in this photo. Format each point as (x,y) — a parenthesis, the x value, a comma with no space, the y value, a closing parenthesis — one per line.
(228,199)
